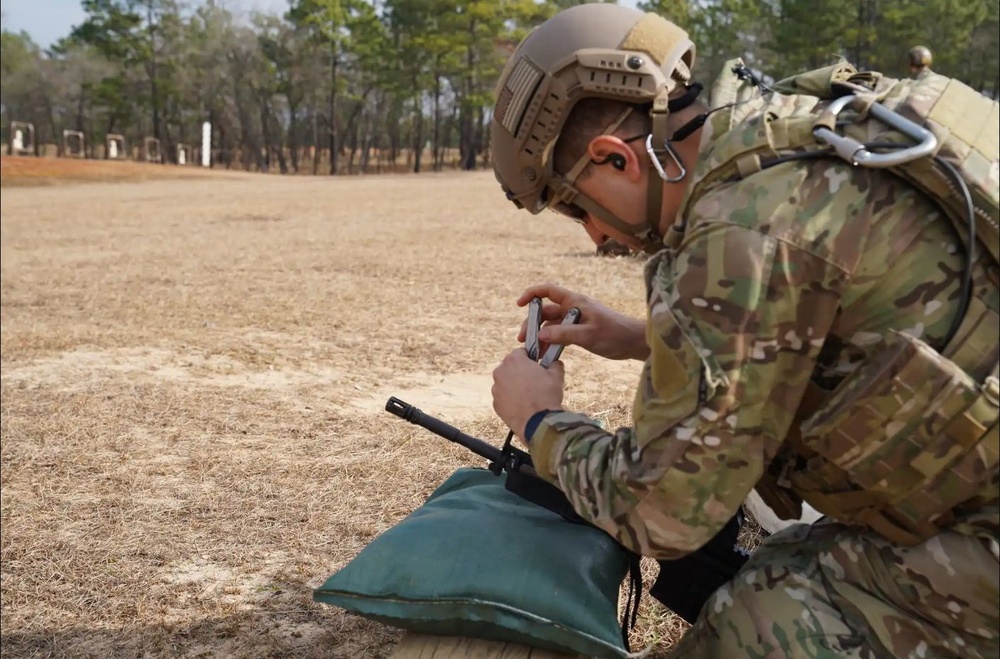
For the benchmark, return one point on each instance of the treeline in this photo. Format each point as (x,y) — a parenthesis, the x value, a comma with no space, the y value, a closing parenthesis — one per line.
(340,86)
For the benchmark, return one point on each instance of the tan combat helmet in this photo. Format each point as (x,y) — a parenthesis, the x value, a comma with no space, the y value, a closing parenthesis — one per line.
(920,58)
(591,50)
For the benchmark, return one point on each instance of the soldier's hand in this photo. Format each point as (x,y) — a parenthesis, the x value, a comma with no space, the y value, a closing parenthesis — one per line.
(522,387)
(601,330)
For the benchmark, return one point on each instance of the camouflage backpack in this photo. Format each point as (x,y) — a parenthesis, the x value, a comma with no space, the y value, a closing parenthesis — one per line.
(909,442)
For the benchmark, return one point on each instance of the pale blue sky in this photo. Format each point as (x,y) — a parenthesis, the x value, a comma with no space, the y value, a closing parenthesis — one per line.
(49,20)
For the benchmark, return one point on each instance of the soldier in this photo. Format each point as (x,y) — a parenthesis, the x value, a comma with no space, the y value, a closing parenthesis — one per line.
(816,331)
(920,61)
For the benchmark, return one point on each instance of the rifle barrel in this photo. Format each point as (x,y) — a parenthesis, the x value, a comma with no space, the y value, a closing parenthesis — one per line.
(415,416)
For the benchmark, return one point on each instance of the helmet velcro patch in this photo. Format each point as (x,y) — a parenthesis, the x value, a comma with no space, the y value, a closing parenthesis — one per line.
(659,38)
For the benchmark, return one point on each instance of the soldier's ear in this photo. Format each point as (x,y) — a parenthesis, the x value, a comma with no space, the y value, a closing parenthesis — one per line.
(611,150)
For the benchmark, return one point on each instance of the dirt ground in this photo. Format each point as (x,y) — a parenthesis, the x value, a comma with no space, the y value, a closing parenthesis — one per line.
(193,380)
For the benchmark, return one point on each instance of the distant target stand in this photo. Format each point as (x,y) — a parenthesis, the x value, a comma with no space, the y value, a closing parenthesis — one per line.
(22,139)
(73,144)
(115,147)
(185,154)
(22,143)
(151,150)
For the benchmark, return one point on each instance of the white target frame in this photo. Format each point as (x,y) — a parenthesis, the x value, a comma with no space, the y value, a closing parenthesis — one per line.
(18,146)
(185,154)
(68,137)
(151,150)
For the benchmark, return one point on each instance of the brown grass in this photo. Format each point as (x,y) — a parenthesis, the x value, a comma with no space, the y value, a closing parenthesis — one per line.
(28,171)
(192,388)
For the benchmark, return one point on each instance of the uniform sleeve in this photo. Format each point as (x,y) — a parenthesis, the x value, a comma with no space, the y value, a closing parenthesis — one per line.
(736,320)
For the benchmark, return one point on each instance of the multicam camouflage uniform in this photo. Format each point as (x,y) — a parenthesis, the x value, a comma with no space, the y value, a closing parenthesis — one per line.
(791,274)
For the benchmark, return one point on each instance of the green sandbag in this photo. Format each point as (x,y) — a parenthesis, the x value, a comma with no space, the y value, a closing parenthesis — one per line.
(478,561)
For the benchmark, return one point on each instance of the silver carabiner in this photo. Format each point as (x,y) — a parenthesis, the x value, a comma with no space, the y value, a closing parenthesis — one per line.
(857,153)
(659,167)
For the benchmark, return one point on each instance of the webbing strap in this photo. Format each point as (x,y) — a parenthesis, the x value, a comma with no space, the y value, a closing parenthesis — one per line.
(654,192)
(631,611)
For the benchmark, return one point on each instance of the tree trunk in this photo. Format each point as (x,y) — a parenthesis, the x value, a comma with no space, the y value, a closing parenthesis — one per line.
(350,126)
(282,163)
(166,143)
(272,138)
(333,111)
(79,112)
(366,143)
(395,143)
(154,90)
(437,119)
(293,142)
(418,136)
(244,140)
(375,123)
(467,137)
(354,150)
(478,141)
(52,127)
(315,140)
(445,141)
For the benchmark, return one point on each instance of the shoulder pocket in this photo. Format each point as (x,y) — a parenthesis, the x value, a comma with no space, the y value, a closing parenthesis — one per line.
(680,375)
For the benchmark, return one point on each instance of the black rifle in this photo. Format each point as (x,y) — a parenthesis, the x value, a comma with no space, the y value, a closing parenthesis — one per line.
(683,585)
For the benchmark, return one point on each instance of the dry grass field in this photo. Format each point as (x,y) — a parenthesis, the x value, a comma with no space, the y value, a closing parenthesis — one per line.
(193,380)
(34,172)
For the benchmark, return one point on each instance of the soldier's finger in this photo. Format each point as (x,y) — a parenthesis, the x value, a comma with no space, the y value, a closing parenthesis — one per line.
(557,294)
(558,368)
(553,313)
(567,335)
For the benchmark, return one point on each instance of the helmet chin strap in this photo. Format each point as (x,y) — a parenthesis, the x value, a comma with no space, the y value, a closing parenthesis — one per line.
(654,190)
(646,235)
(662,107)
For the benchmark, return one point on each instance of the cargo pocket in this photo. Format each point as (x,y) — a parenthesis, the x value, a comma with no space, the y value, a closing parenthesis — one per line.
(901,442)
